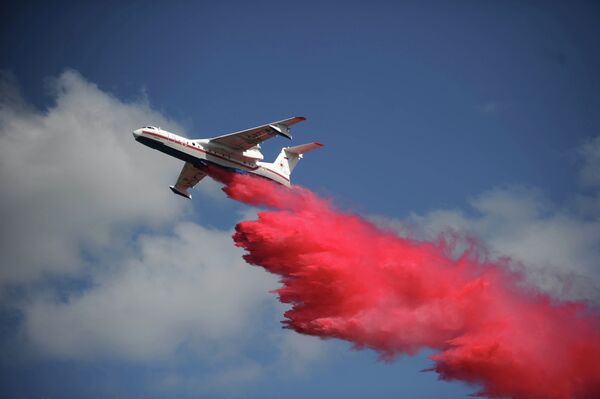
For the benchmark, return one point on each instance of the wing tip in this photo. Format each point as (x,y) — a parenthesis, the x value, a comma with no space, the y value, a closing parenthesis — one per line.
(180,192)
(284,134)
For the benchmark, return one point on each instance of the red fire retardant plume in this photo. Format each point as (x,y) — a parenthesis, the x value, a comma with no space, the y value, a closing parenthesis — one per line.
(345,278)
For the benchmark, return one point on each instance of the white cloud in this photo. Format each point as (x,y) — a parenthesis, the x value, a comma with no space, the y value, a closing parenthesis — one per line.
(188,289)
(78,192)
(73,178)
(228,381)
(298,352)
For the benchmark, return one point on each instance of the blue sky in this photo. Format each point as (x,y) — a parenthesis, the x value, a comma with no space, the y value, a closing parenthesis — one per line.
(480,116)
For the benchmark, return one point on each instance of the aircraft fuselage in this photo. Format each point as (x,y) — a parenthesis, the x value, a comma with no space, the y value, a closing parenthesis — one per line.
(202,153)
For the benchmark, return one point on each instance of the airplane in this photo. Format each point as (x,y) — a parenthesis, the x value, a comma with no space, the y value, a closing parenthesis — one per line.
(238,151)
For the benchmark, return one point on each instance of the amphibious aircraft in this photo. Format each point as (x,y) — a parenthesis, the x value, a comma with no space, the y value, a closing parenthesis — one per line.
(239,151)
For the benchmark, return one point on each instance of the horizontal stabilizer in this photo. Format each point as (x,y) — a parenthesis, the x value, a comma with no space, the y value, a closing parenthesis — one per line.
(304,148)
(289,156)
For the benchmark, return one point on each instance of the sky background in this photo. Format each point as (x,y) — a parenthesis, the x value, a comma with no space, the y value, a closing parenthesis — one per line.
(480,117)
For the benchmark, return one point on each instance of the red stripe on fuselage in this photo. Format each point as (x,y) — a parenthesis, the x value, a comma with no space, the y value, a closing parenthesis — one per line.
(210,153)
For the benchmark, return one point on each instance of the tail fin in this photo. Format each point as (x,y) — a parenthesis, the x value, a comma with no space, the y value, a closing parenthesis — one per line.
(289,156)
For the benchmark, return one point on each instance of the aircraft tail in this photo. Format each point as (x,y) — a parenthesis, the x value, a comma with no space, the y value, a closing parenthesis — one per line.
(289,156)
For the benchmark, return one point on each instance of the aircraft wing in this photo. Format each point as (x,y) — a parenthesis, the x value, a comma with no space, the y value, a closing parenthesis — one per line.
(188,178)
(246,139)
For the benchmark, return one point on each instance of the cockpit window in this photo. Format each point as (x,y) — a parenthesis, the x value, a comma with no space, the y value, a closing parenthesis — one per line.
(149,127)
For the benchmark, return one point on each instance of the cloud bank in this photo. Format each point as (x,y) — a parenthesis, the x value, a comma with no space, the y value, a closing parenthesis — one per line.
(98,252)
(73,180)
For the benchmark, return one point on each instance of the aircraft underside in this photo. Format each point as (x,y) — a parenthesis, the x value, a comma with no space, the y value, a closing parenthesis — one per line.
(198,162)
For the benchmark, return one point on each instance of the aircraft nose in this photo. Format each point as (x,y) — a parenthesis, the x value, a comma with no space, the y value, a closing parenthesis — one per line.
(137,133)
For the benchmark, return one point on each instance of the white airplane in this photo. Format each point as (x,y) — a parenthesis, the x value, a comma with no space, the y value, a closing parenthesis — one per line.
(239,151)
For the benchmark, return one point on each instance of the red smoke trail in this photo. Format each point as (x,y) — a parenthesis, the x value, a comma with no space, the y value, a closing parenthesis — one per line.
(347,279)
